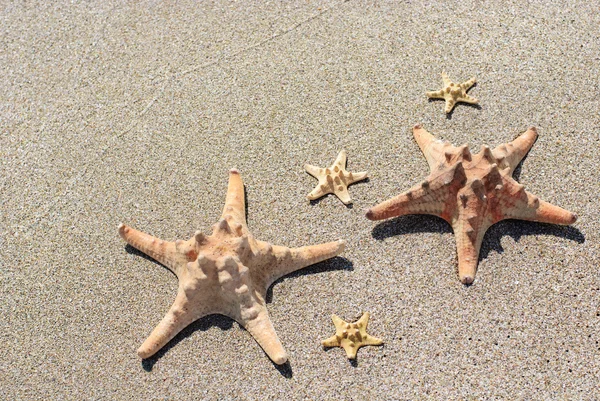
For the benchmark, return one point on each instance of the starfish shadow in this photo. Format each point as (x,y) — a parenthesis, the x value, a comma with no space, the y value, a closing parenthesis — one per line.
(517,171)
(285,369)
(246,204)
(410,224)
(202,324)
(519,228)
(419,223)
(226,323)
(352,362)
(449,115)
(131,250)
(317,201)
(460,104)
(337,263)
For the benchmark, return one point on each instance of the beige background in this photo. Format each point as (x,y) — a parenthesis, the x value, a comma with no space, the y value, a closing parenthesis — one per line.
(133,112)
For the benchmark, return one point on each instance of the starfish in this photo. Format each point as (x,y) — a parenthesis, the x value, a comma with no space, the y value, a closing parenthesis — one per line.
(334,179)
(227,272)
(472,192)
(351,336)
(453,93)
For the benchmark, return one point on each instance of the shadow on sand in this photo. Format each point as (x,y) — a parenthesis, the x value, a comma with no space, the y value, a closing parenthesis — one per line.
(419,223)
(226,323)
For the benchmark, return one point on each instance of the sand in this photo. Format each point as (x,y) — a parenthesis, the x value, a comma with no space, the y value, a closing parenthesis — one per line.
(134,113)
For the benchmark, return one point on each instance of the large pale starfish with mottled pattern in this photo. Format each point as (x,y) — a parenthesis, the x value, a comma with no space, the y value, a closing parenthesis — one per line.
(453,93)
(227,272)
(472,192)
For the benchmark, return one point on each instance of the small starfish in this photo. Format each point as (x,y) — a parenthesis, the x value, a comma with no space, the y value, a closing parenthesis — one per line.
(227,272)
(351,336)
(472,192)
(453,93)
(334,179)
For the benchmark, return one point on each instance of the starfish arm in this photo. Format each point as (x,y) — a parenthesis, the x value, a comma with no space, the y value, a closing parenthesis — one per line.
(319,191)
(510,154)
(289,260)
(364,320)
(468,84)
(468,245)
(312,170)
(446,79)
(433,149)
(415,201)
(430,197)
(436,94)
(534,209)
(423,138)
(351,178)
(370,340)
(177,318)
(163,251)
(235,203)
(350,348)
(450,103)
(332,341)
(469,225)
(263,332)
(337,321)
(548,213)
(344,195)
(468,99)
(341,160)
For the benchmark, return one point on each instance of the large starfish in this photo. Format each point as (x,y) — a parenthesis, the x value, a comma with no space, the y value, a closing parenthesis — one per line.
(472,192)
(227,272)
(453,93)
(334,179)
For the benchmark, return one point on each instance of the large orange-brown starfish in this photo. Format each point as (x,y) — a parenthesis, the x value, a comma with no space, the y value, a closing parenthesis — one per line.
(472,192)
(227,272)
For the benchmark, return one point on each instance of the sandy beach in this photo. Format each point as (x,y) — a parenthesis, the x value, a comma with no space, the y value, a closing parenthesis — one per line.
(114,112)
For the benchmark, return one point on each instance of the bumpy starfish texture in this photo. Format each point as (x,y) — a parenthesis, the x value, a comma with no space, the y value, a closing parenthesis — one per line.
(227,272)
(453,93)
(351,336)
(472,192)
(334,179)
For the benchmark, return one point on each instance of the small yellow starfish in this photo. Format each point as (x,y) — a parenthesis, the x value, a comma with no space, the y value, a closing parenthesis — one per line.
(334,179)
(453,93)
(351,336)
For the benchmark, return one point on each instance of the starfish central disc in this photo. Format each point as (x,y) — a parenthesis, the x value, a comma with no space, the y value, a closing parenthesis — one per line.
(227,272)
(472,192)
